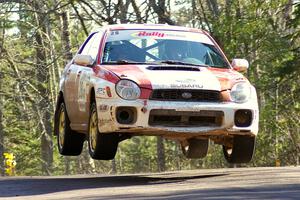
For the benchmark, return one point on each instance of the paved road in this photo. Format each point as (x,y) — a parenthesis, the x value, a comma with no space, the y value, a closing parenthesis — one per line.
(241,183)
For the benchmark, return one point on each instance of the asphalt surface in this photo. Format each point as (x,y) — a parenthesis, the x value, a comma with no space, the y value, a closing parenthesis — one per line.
(239,183)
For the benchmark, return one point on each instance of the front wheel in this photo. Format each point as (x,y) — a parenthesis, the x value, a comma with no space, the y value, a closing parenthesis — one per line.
(241,150)
(101,146)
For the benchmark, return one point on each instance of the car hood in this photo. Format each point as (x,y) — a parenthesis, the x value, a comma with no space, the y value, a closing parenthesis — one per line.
(177,77)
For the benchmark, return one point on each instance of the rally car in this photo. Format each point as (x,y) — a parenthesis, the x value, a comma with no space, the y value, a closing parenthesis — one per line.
(155,80)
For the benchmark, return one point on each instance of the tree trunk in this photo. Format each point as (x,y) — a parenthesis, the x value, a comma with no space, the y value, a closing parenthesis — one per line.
(205,18)
(177,154)
(113,166)
(228,4)
(287,13)
(123,8)
(67,163)
(80,19)
(213,7)
(2,164)
(160,9)
(137,12)
(43,78)
(87,163)
(65,36)
(161,160)
(52,55)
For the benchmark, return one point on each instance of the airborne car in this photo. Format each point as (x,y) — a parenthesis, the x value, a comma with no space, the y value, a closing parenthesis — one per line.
(150,80)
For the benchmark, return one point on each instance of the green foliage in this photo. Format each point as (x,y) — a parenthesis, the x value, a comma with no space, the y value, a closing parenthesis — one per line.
(256,30)
(137,155)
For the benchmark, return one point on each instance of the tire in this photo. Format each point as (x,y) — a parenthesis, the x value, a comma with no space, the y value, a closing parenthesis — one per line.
(69,142)
(242,149)
(101,146)
(196,148)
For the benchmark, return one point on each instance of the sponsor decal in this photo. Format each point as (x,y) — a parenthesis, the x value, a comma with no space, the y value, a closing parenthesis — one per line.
(147,33)
(108,92)
(103,108)
(104,92)
(101,91)
(157,34)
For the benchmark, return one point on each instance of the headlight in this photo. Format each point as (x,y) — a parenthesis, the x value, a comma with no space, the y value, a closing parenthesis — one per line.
(128,90)
(240,92)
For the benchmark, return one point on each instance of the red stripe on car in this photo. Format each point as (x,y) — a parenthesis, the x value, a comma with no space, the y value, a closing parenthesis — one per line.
(105,74)
(132,72)
(226,77)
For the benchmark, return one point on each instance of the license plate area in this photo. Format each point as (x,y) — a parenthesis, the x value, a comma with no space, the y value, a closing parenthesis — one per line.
(173,118)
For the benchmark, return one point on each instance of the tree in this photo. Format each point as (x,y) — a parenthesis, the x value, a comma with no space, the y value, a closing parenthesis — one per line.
(2,164)
(43,78)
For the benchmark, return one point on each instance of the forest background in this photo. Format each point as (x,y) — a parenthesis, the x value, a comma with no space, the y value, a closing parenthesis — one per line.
(38,37)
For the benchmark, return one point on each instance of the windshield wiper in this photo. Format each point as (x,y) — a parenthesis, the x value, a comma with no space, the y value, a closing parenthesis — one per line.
(176,62)
(126,62)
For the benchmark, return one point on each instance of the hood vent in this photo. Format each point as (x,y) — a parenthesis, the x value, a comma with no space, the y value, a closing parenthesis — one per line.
(174,68)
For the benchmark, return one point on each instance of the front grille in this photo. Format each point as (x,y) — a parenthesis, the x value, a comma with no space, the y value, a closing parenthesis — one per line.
(173,118)
(186,95)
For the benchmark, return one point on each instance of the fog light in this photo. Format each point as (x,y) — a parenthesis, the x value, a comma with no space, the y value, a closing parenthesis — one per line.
(243,118)
(126,115)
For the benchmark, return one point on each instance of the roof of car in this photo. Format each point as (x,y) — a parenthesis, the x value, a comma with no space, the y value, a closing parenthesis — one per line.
(151,26)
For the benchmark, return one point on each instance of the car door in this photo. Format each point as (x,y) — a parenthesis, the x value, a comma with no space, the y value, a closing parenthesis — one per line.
(83,81)
(69,89)
(72,74)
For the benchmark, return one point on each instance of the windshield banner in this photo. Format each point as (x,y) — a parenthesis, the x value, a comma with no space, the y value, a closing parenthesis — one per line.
(158,34)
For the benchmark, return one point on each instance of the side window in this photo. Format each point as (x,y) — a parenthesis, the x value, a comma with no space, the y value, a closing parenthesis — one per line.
(88,45)
(94,48)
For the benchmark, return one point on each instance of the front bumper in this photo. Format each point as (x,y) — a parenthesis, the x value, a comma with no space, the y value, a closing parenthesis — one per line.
(107,109)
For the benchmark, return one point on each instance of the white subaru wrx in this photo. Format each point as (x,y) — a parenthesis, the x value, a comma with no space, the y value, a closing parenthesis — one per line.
(141,80)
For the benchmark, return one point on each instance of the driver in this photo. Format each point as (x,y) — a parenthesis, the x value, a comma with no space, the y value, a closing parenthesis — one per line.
(175,50)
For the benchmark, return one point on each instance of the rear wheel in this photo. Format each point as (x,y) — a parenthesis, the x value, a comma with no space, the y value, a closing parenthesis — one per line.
(195,148)
(241,150)
(69,142)
(101,146)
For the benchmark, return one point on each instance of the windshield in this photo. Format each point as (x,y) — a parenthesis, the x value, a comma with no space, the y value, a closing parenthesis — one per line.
(160,46)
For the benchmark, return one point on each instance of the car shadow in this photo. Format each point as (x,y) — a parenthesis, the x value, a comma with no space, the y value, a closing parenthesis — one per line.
(12,187)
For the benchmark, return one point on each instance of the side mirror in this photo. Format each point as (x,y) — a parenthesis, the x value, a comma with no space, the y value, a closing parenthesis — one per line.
(84,60)
(240,65)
